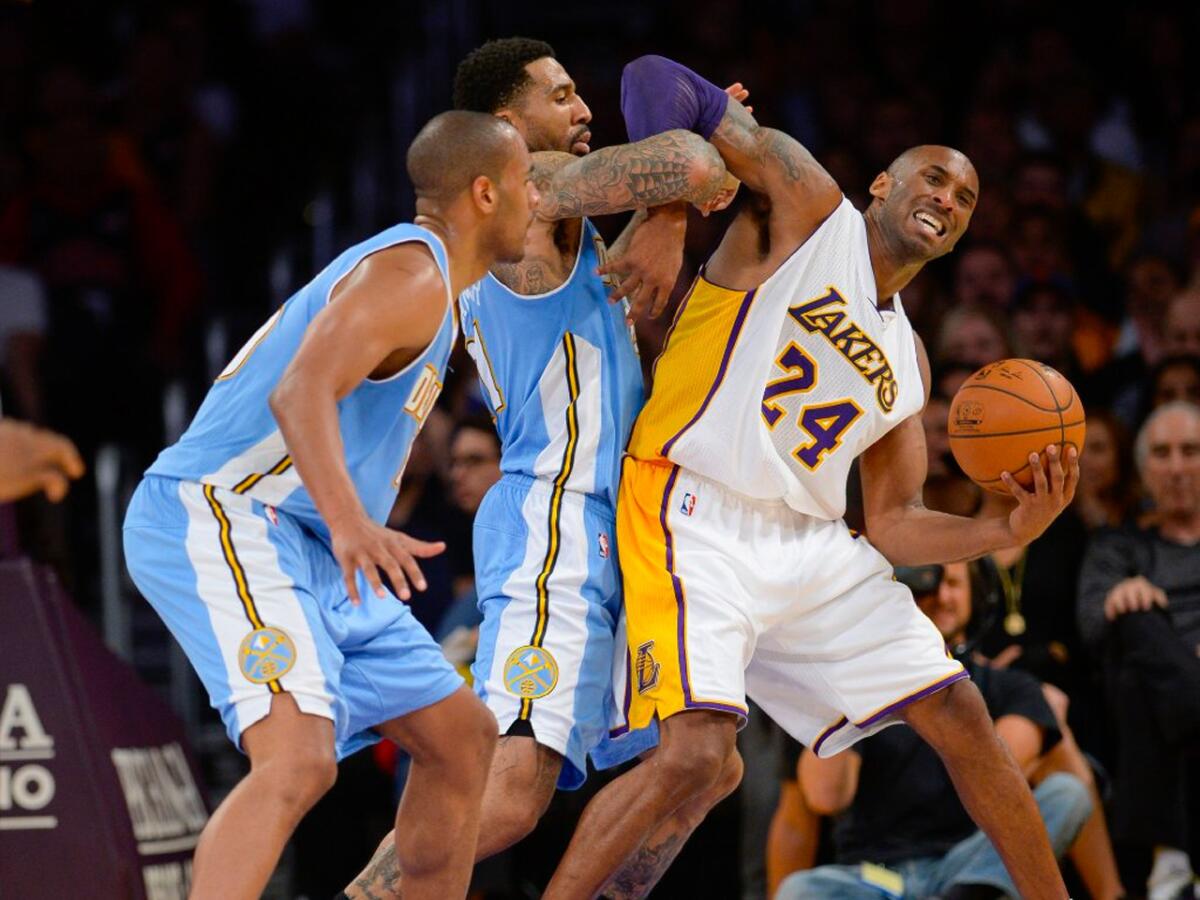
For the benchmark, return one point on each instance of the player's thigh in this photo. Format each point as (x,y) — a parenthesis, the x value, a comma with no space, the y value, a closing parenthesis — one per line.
(840,670)
(233,588)
(548,589)
(456,730)
(688,593)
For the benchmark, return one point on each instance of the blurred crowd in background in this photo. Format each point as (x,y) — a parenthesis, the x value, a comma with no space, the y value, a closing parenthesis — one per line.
(171,171)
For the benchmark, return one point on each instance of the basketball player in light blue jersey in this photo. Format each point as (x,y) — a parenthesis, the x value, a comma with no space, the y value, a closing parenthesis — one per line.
(259,536)
(559,369)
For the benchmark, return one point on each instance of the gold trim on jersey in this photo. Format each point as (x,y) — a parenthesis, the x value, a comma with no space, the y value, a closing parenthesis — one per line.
(556,499)
(241,583)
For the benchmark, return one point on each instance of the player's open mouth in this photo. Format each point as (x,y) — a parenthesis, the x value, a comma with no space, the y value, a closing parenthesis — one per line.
(929,222)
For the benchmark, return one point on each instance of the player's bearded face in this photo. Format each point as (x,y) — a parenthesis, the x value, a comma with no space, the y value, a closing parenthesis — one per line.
(929,206)
(553,115)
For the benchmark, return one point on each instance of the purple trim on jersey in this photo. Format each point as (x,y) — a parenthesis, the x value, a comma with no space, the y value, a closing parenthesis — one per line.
(913,698)
(738,322)
(688,702)
(836,726)
(624,729)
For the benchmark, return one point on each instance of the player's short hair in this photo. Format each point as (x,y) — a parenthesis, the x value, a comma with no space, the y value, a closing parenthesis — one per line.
(492,76)
(456,147)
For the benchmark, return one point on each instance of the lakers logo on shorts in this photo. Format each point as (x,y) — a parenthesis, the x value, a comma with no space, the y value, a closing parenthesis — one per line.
(266,654)
(646,667)
(530,672)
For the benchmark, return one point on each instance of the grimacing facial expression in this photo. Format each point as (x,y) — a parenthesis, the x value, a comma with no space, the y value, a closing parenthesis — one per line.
(927,201)
(548,112)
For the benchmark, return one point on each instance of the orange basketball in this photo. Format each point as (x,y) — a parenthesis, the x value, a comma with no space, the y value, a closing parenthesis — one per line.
(1006,411)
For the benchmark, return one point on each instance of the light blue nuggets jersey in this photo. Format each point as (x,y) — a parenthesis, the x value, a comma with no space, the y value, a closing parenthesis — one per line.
(234,442)
(560,372)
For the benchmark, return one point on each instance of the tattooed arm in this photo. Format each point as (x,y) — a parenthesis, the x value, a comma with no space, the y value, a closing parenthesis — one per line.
(674,165)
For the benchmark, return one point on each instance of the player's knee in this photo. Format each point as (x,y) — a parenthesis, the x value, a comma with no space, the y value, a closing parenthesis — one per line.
(300,780)
(466,745)
(690,770)
(730,777)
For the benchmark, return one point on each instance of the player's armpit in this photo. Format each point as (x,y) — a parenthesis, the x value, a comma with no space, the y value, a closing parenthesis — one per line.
(773,163)
(674,165)
(380,317)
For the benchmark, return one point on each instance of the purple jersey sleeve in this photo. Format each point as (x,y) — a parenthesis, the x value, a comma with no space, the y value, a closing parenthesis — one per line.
(658,94)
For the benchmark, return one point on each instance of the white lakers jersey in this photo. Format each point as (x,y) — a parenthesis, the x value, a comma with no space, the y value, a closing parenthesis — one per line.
(773,392)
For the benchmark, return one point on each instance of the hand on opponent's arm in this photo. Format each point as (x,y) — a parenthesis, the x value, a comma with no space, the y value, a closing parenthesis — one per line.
(382,314)
(903,530)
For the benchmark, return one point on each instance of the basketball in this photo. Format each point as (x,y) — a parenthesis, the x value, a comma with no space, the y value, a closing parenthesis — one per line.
(1006,411)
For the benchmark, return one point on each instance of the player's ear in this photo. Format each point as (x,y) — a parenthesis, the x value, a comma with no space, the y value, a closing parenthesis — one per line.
(882,186)
(485,194)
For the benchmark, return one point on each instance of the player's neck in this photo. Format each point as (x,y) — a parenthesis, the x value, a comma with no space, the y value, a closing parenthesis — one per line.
(893,268)
(464,257)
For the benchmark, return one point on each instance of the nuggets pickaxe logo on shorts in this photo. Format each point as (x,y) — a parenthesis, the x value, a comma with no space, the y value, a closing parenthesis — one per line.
(530,672)
(266,654)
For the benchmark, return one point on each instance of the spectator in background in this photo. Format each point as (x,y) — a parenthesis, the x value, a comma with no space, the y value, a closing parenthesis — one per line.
(1139,603)
(946,489)
(972,336)
(22,332)
(984,276)
(33,459)
(902,831)
(1043,324)
(1174,378)
(121,285)
(1181,332)
(1108,483)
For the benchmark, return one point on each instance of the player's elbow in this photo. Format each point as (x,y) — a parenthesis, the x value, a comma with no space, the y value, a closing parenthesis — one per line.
(283,396)
(706,169)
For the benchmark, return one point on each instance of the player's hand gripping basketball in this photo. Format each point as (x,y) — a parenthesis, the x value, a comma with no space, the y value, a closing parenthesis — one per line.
(360,543)
(1053,490)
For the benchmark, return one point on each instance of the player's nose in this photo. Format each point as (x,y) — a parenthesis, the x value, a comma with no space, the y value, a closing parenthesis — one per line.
(583,115)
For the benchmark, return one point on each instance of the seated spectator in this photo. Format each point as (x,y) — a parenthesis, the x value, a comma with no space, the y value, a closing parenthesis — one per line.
(972,336)
(984,276)
(474,468)
(1175,378)
(1181,333)
(1043,322)
(1107,489)
(1139,602)
(901,830)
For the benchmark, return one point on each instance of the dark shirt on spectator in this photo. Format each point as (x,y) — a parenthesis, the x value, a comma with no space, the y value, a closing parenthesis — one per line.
(906,806)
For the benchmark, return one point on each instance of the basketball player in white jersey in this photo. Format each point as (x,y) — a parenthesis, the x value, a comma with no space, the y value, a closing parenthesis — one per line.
(790,357)
(560,373)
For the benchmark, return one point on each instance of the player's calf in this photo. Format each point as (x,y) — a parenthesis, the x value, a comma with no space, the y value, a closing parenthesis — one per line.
(437,824)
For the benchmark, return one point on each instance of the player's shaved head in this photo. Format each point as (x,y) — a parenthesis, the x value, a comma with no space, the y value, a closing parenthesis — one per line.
(914,158)
(456,147)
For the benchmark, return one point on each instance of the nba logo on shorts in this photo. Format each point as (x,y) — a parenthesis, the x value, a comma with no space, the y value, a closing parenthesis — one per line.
(602,540)
(688,506)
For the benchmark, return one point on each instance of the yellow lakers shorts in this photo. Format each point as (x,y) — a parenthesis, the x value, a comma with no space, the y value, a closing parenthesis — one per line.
(728,597)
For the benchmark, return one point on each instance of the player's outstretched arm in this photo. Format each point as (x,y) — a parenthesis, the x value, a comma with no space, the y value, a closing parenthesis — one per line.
(381,315)
(900,526)
(658,93)
(675,165)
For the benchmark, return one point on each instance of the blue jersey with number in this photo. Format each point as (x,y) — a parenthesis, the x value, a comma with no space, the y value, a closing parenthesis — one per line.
(234,442)
(561,373)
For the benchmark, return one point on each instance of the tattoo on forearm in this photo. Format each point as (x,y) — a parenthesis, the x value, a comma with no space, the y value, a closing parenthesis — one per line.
(765,146)
(671,166)
(640,874)
(381,879)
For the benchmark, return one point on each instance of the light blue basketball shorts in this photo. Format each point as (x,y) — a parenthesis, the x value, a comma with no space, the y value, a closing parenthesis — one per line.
(553,637)
(258,603)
